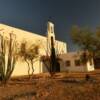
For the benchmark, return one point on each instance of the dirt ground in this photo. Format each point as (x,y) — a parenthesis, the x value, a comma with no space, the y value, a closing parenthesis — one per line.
(62,86)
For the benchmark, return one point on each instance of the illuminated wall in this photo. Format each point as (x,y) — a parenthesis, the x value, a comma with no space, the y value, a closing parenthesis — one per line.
(22,35)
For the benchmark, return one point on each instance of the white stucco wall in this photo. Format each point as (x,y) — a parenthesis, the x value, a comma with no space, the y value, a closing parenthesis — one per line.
(72,56)
(90,67)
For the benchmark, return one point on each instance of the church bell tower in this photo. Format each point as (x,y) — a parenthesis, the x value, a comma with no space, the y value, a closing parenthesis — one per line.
(50,35)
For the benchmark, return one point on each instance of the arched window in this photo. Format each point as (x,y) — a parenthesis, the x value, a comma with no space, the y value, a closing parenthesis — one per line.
(51,29)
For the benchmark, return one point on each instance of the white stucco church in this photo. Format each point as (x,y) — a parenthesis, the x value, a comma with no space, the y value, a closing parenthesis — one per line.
(69,61)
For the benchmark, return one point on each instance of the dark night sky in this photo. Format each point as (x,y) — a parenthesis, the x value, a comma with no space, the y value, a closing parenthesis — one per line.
(32,15)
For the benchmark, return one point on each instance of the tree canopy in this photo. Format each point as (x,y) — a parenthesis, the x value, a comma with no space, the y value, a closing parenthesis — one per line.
(87,39)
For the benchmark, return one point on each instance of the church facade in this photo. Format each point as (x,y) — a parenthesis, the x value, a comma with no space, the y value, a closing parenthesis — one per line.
(45,41)
(32,38)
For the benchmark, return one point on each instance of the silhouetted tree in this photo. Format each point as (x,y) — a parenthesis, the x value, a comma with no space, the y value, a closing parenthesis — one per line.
(51,59)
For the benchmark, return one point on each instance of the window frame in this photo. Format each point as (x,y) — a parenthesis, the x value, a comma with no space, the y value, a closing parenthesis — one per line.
(77,62)
(68,63)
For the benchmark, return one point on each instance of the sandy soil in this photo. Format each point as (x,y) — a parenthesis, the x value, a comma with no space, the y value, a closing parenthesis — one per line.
(63,86)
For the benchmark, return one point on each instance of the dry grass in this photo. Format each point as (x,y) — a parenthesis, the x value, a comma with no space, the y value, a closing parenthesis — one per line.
(62,86)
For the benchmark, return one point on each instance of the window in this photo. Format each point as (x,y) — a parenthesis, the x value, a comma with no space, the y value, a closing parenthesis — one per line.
(51,29)
(77,63)
(67,63)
